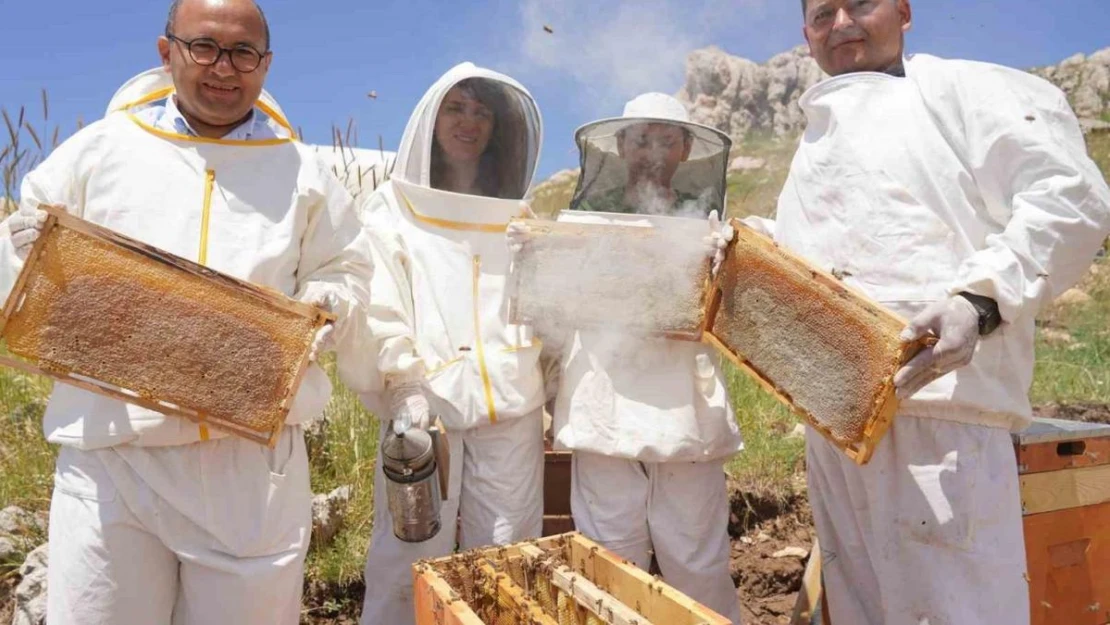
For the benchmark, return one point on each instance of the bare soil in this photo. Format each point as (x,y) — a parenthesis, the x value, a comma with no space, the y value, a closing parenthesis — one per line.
(761,525)
(1088,412)
(7,597)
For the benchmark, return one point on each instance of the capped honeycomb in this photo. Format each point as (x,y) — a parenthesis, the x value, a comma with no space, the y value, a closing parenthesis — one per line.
(91,307)
(827,351)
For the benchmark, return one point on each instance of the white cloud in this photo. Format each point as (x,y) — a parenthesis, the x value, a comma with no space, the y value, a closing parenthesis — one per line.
(612,51)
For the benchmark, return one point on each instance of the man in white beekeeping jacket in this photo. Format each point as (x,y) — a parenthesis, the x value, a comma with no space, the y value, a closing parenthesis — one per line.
(648,419)
(959,195)
(155,519)
(444,343)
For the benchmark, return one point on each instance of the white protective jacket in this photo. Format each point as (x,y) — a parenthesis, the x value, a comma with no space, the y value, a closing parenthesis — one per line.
(264,211)
(439,310)
(963,176)
(645,399)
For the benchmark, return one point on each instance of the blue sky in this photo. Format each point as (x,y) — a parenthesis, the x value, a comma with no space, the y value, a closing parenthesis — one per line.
(329,54)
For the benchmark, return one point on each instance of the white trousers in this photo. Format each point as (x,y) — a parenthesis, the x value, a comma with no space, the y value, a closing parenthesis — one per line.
(496,493)
(679,509)
(928,533)
(200,534)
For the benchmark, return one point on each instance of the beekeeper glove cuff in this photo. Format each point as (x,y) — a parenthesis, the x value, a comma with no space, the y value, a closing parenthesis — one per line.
(955,323)
(717,241)
(408,405)
(516,234)
(25,227)
(324,340)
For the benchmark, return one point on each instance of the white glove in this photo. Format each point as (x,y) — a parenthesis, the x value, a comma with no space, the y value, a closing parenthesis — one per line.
(718,240)
(955,322)
(25,227)
(409,407)
(324,341)
(517,234)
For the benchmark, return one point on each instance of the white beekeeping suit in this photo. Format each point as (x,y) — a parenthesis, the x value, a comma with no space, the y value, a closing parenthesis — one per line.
(212,528)
(968,178)
(439,314)
(649,419)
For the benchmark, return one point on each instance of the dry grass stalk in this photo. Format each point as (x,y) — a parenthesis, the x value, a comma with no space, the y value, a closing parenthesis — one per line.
(16,158)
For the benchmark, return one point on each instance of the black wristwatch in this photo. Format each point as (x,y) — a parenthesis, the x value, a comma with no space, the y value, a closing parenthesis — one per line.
(989,317)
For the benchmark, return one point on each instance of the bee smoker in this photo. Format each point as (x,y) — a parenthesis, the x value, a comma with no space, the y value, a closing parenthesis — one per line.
(416,465)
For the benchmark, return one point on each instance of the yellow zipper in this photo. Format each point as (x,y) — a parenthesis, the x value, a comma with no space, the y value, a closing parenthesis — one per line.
(478,343)
(202,256)
(206,215)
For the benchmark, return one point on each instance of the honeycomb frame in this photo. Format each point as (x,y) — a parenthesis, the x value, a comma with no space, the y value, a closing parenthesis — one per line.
(861,390)
(52,284)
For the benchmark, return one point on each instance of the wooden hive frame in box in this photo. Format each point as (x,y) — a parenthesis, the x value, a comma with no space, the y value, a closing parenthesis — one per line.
(539,278)
(829,353)
(561,580)
(119,318)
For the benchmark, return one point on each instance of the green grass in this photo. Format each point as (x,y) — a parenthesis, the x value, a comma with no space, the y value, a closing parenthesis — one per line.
(343,454)
(770,461)
(1079,370)
(26,460)
(756,192)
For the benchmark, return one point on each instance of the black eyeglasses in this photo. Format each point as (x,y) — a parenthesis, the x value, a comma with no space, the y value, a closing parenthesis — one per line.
(205,51)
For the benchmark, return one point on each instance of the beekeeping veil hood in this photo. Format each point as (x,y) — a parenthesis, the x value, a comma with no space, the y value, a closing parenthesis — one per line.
(698,182)
(514,144)
(155,85)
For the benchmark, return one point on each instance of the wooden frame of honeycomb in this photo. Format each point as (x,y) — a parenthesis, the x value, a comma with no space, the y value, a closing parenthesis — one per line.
(114,316)
(826,351)
(634,301)
(561,580)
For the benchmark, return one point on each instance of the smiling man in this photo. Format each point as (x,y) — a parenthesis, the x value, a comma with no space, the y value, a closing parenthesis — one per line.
(153,519)
(960,196)
(214,98)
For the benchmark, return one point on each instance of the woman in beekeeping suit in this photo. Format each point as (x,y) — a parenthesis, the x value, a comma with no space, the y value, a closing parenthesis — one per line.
(649,419)
(465,161)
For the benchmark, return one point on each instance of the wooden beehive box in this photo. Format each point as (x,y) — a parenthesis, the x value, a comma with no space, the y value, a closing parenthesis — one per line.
(826,351)
(561,580)
(119,318)
(639,279)
(1064,469)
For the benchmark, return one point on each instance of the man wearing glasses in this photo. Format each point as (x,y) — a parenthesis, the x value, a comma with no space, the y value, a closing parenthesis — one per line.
(155,519)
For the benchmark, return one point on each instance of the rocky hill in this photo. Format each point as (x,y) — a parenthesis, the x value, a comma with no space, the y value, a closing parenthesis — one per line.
(742,97)
(1086,80)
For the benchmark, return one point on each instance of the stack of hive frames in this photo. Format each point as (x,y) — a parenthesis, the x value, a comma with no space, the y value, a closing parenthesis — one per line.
(828,352)
(122,319)
(645,280)
(565,579)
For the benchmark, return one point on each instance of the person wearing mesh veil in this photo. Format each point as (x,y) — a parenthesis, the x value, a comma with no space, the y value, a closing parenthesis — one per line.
(444,344)
(648,419)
